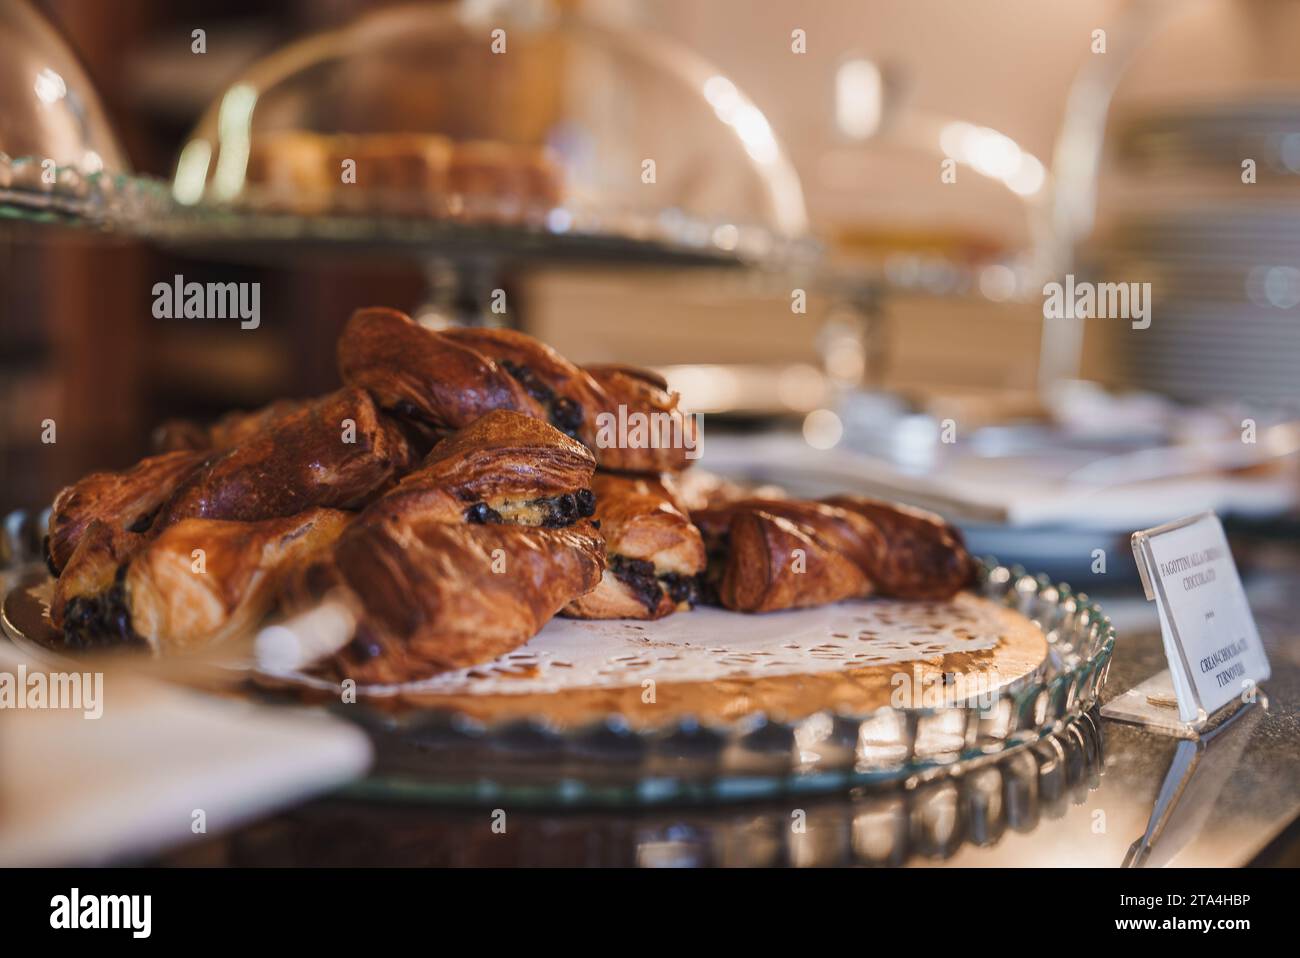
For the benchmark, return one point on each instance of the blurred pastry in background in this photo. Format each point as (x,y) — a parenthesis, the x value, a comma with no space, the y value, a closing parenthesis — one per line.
(400,174)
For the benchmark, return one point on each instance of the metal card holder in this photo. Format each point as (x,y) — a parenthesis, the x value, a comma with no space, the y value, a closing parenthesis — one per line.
(1155,702)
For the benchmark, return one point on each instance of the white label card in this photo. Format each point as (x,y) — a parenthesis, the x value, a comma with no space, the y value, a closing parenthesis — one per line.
(1213,647)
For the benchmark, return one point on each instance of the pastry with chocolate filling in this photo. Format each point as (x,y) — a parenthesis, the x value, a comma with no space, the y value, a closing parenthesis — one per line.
(336,451)
(654,553)
(442,381)
(339,451)
(770,554)
(428,380)
(466,558)
(199,582)
(126,500)
(924,557)
(658,436)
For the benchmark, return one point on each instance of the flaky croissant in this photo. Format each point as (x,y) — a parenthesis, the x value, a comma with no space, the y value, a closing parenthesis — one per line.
(467,558)
(442,381)
(924,558)
(200,581)
(771,554)
(653,552)
(126,500)
(337,451)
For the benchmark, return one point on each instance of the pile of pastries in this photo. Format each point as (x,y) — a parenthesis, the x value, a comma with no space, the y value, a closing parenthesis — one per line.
(455,494)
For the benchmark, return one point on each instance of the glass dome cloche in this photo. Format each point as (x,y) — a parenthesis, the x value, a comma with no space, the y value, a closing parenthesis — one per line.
(435,124)
(59,157)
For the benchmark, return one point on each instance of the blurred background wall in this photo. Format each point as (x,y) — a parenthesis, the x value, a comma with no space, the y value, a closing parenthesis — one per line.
(78,344)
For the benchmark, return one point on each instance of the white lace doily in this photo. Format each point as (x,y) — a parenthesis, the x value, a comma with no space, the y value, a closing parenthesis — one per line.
(707,644)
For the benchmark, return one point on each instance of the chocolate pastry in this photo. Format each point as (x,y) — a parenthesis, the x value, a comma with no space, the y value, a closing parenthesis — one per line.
(91,571)
(200,581)
(654,552)
(924,558)
(506,467)
(441,381)
(640,394)
(126,500)
(466,558)
(338,451)
(277,461)
(427,379)
(768,554)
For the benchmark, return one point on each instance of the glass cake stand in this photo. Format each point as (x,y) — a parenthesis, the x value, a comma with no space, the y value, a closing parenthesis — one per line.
(433,757)
(443,757)
(510,128)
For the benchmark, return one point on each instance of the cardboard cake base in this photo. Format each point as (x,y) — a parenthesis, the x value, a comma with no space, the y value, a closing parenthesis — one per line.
(718,666)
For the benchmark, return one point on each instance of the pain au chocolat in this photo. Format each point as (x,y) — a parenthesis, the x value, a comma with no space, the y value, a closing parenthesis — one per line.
(772,554)
(338,452)
(199,582)
(653,552)
(467,558)
(443,381)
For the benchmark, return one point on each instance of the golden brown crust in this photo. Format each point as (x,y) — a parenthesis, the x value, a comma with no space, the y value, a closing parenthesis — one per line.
(436,383)
(337,452)
(640,520)
(772,554)
(506,454)
(206,580)
(846,547)
(533,362)
(433,589)
(605,370)
(641,523)
(442,381)
(924,558)
(92,568)
(435,595)
(630,394)
(778,562)
(118,499)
